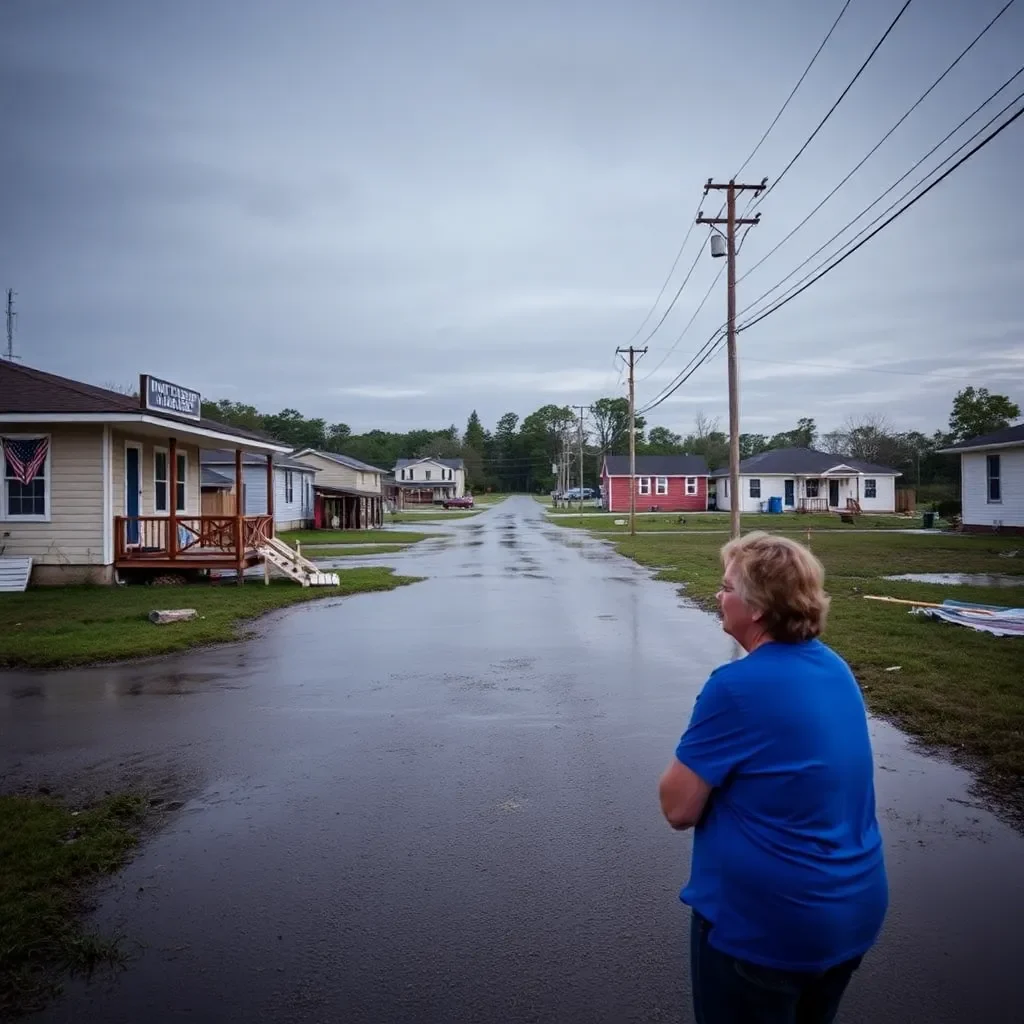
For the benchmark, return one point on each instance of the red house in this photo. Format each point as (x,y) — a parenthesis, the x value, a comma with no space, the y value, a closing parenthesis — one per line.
(664,483)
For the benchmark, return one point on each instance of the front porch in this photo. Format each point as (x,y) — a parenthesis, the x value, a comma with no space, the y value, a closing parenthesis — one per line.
(190,542)
(336,508)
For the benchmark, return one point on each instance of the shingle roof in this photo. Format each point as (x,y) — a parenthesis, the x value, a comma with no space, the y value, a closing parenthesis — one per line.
(449,463)
(800,462)
(342,460)
(24,389)
(226,457)
(1008,435)
(211,478)
(658,465)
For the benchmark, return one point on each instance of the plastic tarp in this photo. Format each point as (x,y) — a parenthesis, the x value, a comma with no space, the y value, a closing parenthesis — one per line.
(987,618)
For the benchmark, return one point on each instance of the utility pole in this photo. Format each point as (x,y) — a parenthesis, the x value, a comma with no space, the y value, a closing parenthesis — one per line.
(633,353)
(10,322)
(579,422)
(731,221)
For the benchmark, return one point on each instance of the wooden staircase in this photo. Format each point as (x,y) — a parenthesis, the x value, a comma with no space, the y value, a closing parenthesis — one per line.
(290,562)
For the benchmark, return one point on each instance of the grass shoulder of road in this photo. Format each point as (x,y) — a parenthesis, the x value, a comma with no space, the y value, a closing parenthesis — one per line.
(677,522)
(53,627)
(48,854)
(410,518)
(320,537)
(954,687)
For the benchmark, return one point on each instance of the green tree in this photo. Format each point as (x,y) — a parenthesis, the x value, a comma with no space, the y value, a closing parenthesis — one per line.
(662,441)
(752,444)
(976,412)
(803,436)
(609,418)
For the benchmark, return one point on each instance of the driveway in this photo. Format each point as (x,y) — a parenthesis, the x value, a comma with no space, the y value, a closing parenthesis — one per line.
(438,804)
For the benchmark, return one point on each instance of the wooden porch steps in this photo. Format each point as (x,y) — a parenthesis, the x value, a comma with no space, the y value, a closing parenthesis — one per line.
(288,561)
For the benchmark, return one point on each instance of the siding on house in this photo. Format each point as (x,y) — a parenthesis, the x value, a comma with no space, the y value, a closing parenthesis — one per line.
(441,475)
(193,494)
(774,486)
(978,511)
(333,474)
(287,514)
(74,534)
(677,500)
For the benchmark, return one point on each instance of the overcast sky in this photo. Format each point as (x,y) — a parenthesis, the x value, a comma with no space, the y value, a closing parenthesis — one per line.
(390,213)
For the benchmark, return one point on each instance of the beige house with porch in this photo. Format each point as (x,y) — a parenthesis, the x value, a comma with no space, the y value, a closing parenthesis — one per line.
(98,485)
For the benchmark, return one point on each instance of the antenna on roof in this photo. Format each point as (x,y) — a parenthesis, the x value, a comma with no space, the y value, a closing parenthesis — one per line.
(10,323)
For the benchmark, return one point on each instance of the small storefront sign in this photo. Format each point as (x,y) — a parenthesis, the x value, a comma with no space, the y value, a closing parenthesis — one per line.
(163,396)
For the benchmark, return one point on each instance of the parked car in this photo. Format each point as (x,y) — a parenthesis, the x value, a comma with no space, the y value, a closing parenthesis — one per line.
(466,501)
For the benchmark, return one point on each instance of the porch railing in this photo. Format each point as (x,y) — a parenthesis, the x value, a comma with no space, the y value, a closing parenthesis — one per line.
(813,505)
(137,538)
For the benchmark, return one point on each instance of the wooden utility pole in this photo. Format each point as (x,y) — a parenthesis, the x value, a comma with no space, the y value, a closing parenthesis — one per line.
(633,353)
(579,423)
(731,221)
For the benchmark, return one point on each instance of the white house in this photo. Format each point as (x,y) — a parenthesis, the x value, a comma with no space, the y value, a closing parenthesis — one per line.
(424,481)
(806,480)
(347,494)
(992,480)
(293,487)
(98,484)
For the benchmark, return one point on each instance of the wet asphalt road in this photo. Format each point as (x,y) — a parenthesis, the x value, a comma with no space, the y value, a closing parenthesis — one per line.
(438,804)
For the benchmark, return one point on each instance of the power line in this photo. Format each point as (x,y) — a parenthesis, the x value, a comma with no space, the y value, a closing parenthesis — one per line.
(903,209)
(882,140)
(800,80)
(842,96)
(900,179)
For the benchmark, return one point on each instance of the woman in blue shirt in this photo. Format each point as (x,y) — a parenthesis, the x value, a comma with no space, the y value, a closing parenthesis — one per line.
(775,775)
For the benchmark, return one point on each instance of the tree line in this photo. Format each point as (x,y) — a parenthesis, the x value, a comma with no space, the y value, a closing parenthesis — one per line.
(521,454)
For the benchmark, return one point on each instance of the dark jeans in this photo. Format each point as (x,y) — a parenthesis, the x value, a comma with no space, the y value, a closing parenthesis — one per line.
(731,991)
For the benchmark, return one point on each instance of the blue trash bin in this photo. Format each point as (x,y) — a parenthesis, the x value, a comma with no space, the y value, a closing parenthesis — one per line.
(775,505)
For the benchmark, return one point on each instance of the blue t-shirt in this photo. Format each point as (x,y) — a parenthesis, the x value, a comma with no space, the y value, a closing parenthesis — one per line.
(787,857)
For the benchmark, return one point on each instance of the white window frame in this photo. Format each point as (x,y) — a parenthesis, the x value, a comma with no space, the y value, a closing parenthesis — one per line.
(873,484)
(661,486)
(643,486)
(289,486)
(427,474)
(182,482)
(817,487)
(691,486)
(989,477)
(751,480)
(5,512)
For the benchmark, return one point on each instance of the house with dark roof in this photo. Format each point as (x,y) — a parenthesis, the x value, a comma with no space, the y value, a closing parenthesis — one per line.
(428,480)
(992,480)
(293,487)
(805,480)
(347,493)
(664,483)
(97,483)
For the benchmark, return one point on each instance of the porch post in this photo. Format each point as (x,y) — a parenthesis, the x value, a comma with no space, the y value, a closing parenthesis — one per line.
(236,533)
(172,498)
(239,511)
(270,491)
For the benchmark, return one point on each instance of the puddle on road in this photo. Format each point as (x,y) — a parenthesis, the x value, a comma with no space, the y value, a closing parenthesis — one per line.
(959,579)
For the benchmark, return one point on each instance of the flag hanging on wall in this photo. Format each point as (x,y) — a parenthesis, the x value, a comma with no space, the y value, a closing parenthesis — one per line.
(25,456)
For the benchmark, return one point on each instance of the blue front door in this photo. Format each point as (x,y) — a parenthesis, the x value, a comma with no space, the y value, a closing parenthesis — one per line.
(790,500)
(131,492)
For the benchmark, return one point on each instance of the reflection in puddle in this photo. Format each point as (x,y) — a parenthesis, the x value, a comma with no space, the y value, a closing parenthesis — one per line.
(959,579)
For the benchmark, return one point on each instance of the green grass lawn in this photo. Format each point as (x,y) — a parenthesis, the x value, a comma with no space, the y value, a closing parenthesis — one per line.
(361,552)
(315,537)
(785,523)
(48,627)
(405,518)
(48,853)
(955,687)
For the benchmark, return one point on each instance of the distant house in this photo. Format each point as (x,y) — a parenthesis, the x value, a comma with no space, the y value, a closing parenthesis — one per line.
(670,483)
(97,483)
(992,480)
(347,494)
(428,480)
(293,488)
(805,480)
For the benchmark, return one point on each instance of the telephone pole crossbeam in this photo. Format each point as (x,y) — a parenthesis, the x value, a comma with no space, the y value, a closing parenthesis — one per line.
(731,221)
(633,353)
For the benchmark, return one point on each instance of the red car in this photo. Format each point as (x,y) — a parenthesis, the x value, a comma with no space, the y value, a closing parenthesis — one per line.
(466,501)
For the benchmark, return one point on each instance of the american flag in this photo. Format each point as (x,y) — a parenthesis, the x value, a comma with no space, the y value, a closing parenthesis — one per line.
(25,457)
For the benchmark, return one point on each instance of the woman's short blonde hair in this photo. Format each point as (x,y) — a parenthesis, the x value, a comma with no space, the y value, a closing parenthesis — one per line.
(783,581)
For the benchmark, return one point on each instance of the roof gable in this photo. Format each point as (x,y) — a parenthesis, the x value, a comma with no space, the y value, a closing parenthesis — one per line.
(342,460)
(447,463)
(804,462)
(657,465)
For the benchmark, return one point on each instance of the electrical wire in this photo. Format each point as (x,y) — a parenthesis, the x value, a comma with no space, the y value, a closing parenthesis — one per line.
(881,141)
(984,103)
(842,96)
(800,80)
(818,274)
